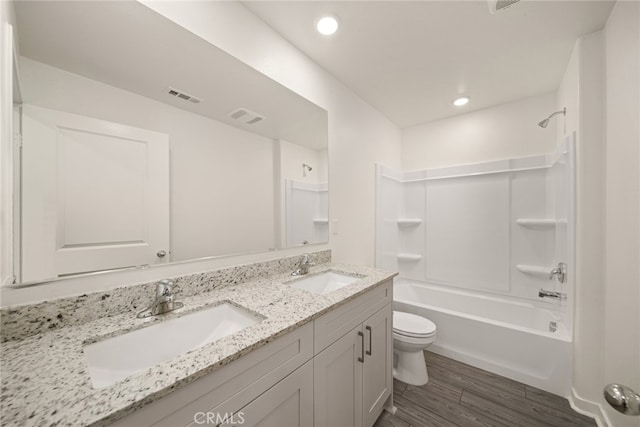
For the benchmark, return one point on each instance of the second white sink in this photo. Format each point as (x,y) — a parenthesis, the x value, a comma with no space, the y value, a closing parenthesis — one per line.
(324,283)
(122,356)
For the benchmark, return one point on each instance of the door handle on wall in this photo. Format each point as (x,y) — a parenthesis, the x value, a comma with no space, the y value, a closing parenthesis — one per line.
(361,359)
(368,328)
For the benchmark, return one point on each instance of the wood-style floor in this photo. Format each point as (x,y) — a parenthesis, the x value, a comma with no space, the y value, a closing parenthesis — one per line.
(462,395)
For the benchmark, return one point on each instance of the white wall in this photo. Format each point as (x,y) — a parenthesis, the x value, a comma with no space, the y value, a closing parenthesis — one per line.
(359,137)
(7,20)
(582,93)
(622,212)
(602,89)
(294,155)
(505,131)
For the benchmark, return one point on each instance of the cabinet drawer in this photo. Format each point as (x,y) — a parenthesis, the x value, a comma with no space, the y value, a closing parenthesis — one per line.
(331,326)
(241,381)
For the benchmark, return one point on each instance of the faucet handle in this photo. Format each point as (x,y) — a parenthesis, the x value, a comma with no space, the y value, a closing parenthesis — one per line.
(165,287)
(560,271)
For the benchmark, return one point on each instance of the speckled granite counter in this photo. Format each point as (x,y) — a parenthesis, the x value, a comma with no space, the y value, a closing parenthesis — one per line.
(45,379)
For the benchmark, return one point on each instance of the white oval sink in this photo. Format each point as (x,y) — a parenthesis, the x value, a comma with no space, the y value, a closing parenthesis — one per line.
(119,357)
(324,283)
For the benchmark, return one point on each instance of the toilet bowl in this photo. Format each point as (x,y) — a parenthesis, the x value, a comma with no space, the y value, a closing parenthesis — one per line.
(411,335)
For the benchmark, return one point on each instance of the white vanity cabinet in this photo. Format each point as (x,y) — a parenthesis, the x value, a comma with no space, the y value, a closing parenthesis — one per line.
(353,374)
(334,371)
(253,378)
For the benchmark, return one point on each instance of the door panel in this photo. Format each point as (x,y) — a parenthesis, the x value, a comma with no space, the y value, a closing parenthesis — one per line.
(95,194)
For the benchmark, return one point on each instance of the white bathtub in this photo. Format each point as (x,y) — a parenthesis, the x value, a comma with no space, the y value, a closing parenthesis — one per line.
(509,338)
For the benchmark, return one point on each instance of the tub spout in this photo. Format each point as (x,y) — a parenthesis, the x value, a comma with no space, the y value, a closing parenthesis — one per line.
(549,294)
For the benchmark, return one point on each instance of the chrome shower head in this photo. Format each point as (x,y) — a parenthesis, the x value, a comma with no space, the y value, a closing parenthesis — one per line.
(545,122)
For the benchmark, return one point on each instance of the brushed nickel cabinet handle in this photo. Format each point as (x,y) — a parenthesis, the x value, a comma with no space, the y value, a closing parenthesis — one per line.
(361,359)
(368,328)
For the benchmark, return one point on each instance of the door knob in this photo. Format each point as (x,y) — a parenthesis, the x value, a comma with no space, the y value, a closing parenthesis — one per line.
(161,254)
(622,399)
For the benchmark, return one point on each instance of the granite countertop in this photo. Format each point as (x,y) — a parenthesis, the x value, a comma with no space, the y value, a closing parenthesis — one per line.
(45,379)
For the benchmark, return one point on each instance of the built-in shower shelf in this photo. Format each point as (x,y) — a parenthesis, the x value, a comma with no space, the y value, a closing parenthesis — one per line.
(537,222)
(320,221)
(409,222)
(409,257)
(535,270)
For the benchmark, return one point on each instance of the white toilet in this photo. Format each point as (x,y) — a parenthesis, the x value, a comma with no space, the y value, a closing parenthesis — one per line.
(411,335)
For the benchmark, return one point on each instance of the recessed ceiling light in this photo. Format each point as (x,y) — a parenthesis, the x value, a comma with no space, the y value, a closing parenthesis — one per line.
(461,101)
(327,25)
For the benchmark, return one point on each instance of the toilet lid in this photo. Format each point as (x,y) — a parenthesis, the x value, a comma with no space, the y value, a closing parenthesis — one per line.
(412,325)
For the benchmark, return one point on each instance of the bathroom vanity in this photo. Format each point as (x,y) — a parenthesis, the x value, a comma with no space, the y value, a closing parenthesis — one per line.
(333,371)
(320,359)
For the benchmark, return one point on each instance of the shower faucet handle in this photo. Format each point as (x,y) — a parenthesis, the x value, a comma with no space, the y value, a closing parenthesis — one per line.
(560,271)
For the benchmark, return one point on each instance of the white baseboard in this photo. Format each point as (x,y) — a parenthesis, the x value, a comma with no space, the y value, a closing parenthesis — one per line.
(588,408)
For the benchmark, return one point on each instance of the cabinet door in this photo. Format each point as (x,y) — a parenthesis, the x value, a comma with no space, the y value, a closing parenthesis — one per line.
(338,382)
(377,380)
(288,403)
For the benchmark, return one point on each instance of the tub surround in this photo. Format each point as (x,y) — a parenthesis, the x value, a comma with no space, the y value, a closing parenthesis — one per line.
(44,372)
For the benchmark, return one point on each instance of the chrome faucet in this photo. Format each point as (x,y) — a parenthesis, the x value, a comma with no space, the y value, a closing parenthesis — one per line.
(560,271)
(550,294)
(303,266)
(164,301)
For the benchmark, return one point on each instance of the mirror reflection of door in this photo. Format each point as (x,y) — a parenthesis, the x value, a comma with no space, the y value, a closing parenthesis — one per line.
(95,195)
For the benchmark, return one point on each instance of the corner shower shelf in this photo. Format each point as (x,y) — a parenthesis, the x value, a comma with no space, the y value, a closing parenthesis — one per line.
(537,222)
(409,222)
(535,270)
(409,257)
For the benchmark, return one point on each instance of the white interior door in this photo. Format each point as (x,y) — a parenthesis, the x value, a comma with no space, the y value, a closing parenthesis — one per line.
(95,195)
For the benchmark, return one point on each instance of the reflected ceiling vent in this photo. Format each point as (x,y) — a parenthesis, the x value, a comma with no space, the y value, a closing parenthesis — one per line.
(183,95)
(498,5)
(245,116)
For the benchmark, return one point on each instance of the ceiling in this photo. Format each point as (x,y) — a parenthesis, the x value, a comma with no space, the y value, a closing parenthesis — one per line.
(80,37)
(411,59)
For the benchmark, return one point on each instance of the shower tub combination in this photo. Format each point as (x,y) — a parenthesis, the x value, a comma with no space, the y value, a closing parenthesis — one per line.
(473,246)
(507,337)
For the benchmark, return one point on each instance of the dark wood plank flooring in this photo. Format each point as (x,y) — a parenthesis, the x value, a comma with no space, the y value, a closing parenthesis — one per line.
(459,395)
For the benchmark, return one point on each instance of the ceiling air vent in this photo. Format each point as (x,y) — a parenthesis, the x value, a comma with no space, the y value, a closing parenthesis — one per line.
(183,95)
(245,116)
(498,5)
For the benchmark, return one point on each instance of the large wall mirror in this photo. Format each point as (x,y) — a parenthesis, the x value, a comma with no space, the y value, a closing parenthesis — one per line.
(144,144)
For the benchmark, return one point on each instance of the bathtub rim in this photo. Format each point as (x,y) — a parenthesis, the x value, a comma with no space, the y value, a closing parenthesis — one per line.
(565,335)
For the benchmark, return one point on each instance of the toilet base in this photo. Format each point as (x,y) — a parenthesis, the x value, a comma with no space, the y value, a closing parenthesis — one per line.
(410,367)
